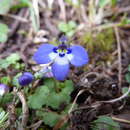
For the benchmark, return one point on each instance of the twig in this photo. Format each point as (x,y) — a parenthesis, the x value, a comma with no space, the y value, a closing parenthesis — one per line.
(119,98)
(35,125)
(24,108)
(87,28)
(94,105)
(120,120)
(22,13)
(119,10)
(74,102)
(19,18)
(119,58)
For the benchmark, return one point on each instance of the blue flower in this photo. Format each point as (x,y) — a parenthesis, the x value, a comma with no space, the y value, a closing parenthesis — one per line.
(3,89)
(25,79)
(61,57)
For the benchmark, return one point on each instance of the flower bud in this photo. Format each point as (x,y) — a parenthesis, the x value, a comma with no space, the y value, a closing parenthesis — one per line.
(63,39)
(3,89)
(25,79)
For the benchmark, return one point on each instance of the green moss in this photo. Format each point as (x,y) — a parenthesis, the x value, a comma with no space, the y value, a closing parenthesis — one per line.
(99,41)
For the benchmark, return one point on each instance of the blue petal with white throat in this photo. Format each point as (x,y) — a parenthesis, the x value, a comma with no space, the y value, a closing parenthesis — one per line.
(60,68)
(44,54)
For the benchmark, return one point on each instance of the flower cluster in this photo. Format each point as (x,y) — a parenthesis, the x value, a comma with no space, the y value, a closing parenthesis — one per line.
(61,57)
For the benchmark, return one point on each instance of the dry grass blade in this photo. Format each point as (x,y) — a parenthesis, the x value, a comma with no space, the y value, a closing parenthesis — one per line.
(119,58)
(120,120)
(119,98)
(24,108)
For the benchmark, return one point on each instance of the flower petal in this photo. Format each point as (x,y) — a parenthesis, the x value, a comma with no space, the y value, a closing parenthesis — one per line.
(60,68)
(79,56)
(44,54)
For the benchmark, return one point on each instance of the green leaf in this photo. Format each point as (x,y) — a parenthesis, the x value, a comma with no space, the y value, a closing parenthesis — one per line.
(19,111)
(13,58)
(3,64)
(68,28)
(47,95)
(103,3)
(39,98)
(127,76)
(105,122)
(70,33)
(3,32)
(72,24)
(68,87)
(5,80)
(50,84)
(8,97)
(63,27)
(5,6)
(49,118)
(4,28)
(54,100)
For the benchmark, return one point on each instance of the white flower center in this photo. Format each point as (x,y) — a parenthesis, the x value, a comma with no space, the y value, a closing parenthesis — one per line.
(62,60)
(53,55)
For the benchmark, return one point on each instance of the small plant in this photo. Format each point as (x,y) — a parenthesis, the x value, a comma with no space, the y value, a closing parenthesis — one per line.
(67,28)
(52,94)
(11,60)
(106,123)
